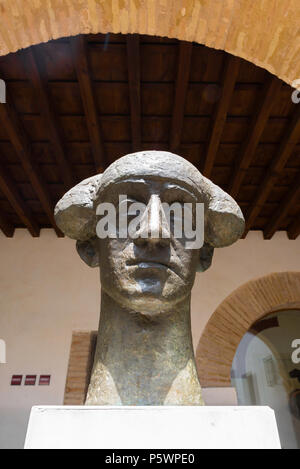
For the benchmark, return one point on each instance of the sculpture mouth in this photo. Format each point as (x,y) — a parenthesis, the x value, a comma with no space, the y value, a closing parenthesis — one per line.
(144,264)
(152,264)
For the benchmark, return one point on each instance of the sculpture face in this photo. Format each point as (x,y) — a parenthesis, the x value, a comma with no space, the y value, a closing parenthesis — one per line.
(148,274)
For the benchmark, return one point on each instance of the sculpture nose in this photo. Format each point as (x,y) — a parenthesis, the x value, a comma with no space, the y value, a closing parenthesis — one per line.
(154,228)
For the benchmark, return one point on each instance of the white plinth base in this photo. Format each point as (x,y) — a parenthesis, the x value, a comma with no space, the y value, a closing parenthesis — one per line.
(150,427)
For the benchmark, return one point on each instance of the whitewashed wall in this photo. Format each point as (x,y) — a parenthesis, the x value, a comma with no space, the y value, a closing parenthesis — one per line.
(46,292)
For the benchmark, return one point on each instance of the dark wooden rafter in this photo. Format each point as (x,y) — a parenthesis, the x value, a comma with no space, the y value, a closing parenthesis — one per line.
(6,226)
(258,123)
(230,76)
(134,78)
(278,163)
(80,58)
(13,126)
(10,191)
(182,81)
(47,111)
(294,228)
(172,119)
(289,200)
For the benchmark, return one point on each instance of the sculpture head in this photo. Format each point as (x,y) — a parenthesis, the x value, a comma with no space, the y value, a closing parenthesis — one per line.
(148,273)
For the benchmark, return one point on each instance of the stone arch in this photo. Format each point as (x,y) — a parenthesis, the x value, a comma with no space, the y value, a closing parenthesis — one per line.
(265,32)
(233,318)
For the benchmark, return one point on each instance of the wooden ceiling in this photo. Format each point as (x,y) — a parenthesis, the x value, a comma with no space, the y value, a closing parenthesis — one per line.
(74,105)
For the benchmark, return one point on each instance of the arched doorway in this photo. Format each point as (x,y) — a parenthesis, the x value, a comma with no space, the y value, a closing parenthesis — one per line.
(266,371)
(252,342)
(265,33)
(235,316)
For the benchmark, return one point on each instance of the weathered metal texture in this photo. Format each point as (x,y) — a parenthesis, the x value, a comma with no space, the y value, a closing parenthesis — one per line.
(144,352)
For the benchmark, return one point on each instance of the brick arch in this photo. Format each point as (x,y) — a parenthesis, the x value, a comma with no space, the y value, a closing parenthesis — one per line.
(233,318)
(265,32)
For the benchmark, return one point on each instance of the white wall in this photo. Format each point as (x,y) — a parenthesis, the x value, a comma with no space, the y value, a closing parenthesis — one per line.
(47,292)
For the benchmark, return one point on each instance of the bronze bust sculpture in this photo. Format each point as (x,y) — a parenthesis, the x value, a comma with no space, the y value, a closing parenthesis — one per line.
(144,352)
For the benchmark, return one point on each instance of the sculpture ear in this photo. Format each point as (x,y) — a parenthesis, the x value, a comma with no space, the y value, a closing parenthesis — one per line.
(205,257)
(225,222)
(74,213)
(88,251)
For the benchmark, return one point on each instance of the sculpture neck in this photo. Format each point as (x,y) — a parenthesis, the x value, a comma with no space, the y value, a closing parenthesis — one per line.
(144,359)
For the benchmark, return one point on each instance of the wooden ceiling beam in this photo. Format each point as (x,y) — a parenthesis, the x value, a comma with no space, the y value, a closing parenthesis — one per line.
(294,228)
(258,123)
(13,126)
(287,145)
(134,79)
(80,59)
(181,87)
(47,111)
(288,201)
(230,76)
(6,226)
(9,189)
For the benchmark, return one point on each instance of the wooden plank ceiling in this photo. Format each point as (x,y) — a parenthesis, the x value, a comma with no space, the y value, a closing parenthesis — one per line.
(75,105)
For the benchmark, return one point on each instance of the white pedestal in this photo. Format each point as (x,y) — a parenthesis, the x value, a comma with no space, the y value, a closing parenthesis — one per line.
(161,427)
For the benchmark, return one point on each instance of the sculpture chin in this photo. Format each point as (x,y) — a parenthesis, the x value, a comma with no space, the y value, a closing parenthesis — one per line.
(148,294)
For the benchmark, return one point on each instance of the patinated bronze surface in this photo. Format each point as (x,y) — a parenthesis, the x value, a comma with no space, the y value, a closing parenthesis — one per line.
(144,352)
